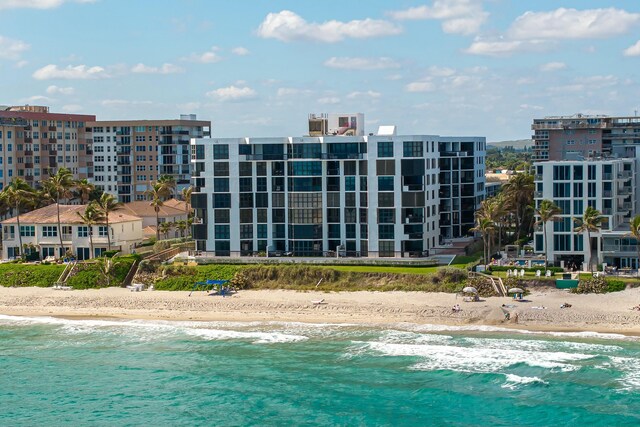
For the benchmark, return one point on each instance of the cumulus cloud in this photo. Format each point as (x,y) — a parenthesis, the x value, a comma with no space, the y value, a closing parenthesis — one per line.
(78,72)
(122,103)
(37,4)
(72,108)
(368,94)
(502,47)
(232,93)
(209,57)
(457,16)
(291,91)
(633,50)
(53,90)
(423,86)
(36,99)
(565,23)
(355,63)
(11,48)
(165,68)
(553,66)
(329,100)
(288,26)
(240,51)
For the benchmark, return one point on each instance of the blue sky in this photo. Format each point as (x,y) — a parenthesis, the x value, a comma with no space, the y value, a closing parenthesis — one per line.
(257,68)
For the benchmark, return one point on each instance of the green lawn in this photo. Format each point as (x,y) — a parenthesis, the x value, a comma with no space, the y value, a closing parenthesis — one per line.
(382,269)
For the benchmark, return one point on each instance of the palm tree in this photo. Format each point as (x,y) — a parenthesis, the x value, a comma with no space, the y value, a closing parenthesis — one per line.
(548,211)
(156,193)
(108,204)
(59,187)
(519,194)
(634,226)
(164,228)
(182,226)
(167,186)
(186,196)
(83,190)
(16,195)
(485,227)
(590,222)
(92,215)
(107,266)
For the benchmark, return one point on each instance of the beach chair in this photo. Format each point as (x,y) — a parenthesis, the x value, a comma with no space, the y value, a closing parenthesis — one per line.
(318,302)
(509,273)
(547,274)
(538,273)
(521,272)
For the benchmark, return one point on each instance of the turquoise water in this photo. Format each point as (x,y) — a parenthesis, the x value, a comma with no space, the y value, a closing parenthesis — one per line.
(130,373)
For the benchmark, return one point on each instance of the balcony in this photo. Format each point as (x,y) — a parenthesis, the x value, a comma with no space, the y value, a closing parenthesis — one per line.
(413,187)
(624,191)
(28,165)
(28,152)
(341,156)
(28,178)
(607,193)
(28,140)
(27,127)
(611,248)
(52,140)
(249,157)
(53,152)
(624,174)
(52,128)
(626,206)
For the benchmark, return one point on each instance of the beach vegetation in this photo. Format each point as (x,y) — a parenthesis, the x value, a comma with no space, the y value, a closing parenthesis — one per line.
(23,275)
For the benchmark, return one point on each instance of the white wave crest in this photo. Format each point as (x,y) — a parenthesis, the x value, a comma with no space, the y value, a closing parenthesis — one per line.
(514,381)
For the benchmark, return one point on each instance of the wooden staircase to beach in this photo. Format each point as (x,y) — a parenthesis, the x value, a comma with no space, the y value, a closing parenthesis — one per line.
(66,273)
(496,282)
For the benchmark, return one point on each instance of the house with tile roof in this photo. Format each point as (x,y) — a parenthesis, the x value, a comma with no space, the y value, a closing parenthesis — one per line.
(39,230)
(172,211)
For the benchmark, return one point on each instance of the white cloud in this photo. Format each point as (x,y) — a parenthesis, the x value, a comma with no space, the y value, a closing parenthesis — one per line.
(240,51)
(457,16)
(79,72)
(502,47)
(36,99)
(565,23)
(72,108)
(553,66)
(291,91)
(368,94)
(209,57)
(21,64)
(347,63)
(122,102)
(531,107)
(37,4)
(11,48)
(53,89)
(232,93)
(425,86)
(288,26)
(166,68)
(633,50)
(329,100)
(441,71)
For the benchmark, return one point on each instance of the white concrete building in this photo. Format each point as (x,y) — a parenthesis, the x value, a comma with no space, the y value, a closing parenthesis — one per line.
(105,169)
(39,230)
(375,196)
(608,185)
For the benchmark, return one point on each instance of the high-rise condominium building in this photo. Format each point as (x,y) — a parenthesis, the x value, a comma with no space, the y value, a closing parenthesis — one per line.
(375,195)
(35,143)
(582,136)
(129,154)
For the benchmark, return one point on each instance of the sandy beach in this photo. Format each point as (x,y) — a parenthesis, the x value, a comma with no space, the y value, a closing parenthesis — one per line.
(598,313)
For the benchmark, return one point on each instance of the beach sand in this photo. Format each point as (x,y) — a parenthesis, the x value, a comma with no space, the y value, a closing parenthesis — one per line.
(599,313)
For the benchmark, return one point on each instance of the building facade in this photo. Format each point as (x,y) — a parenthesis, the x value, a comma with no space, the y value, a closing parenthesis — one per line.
(375,195)
(608,185)
(462,184)
(35,143)
(39,230)
(129,154)
(582,136)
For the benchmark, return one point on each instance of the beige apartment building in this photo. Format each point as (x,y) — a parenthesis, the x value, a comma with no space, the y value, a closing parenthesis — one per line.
(582,136)
(35,143)
(129,154)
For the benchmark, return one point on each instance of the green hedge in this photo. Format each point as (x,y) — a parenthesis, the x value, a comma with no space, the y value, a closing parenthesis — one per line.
(182,278)
(89,276)
(23,275)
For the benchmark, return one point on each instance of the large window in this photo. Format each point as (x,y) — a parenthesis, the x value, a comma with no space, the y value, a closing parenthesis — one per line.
(102,231)
(222,200)
(413,149)
(385,232)
(49,231)
(561,242)
(305,168)
(246,185)
(220,185)
(220,152)
(561,173)
(386,216)
(561,189)
(385,183)
(385,149)
(28,230)
(83,231)
(221,231)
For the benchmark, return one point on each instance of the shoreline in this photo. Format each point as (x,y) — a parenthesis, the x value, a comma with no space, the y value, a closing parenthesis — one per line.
(603,313)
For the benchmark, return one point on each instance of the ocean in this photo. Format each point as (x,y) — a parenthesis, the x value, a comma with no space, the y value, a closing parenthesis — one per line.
(154,373)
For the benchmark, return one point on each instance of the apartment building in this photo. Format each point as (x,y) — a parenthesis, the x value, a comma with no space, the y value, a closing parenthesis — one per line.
(129,154)
(370,196)
(608,185)
(581,136)
(462,184)
(40,232)
(35,143)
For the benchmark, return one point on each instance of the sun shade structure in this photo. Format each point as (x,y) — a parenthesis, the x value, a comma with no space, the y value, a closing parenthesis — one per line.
(470,290)
(515,291)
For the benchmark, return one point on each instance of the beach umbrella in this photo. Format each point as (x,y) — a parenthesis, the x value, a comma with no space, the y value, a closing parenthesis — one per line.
(515,291)
(470,289)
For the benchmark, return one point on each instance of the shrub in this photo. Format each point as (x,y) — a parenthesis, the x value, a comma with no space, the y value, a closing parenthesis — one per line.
(110,254)
(22,275)
(616,285)
(592,285)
